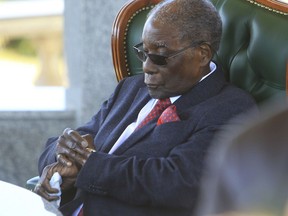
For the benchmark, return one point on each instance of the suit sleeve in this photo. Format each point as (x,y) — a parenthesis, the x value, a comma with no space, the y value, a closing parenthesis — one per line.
(91,127)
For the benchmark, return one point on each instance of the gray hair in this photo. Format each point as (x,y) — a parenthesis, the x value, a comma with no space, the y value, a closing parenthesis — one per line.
(196,20)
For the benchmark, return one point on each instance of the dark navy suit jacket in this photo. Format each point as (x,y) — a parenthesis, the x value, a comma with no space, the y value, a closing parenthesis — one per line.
(157,170)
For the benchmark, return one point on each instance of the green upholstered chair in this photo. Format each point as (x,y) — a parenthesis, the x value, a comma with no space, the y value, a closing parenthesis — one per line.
(253,51)
(126,32)
(254,47)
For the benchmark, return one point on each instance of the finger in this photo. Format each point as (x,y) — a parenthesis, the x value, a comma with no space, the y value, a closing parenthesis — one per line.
(64,160)
(61,145)
(67,155)
(67,141)
(43,187)
(85,153)
(43,193)
(78,155)
(76,137)
(45,180)
(64,147)
(89,139)
(78,158)
(90,148)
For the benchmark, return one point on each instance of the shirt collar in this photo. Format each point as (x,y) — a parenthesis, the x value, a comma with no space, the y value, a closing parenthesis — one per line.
(212,69)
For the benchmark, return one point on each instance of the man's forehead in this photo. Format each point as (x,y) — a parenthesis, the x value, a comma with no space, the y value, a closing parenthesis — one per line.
(158,34)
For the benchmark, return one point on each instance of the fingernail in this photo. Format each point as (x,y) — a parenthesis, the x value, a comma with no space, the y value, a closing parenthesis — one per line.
(84,143)
(69,163)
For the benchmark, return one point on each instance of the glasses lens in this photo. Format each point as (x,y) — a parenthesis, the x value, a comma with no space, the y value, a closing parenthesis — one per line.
(157,59)
(142,56)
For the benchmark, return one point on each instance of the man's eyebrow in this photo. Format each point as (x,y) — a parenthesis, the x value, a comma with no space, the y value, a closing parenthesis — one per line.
(160,44)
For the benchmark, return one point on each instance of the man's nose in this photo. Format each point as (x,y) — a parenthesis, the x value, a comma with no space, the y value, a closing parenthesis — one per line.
(149,67)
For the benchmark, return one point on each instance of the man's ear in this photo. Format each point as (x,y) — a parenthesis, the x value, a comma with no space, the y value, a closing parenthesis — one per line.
(205,53)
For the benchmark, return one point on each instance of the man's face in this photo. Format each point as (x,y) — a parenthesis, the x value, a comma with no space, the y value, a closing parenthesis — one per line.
(180,73)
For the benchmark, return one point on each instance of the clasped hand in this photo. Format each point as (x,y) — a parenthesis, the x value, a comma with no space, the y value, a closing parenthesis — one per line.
(73,148)
(72,152)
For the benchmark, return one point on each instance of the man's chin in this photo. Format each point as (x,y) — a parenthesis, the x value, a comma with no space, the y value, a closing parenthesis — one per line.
(154,94)
(158,95)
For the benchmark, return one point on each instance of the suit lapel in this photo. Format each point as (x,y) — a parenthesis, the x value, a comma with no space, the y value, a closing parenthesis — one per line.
(135,137)
(207,88)
(139,102)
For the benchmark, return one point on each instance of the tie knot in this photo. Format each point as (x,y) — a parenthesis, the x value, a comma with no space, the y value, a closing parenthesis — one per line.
(163,103)
(159,107)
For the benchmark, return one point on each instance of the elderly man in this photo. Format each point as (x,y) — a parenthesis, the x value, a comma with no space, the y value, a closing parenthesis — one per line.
(135,163)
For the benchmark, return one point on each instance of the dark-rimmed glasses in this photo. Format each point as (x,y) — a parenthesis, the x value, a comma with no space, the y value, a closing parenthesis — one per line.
(158,59)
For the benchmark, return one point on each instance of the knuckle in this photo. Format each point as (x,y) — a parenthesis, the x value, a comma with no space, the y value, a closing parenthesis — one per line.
(73,154)
(61,138)
(66,130)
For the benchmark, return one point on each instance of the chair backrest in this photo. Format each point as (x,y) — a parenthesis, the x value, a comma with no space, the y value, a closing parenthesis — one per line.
(254,47)
(126,32)
(253,51)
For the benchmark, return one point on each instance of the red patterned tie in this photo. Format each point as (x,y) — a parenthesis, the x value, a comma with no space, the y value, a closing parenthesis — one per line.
(168,115)
(160,106)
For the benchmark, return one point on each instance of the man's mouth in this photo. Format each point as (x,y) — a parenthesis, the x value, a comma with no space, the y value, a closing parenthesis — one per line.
(152,86)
